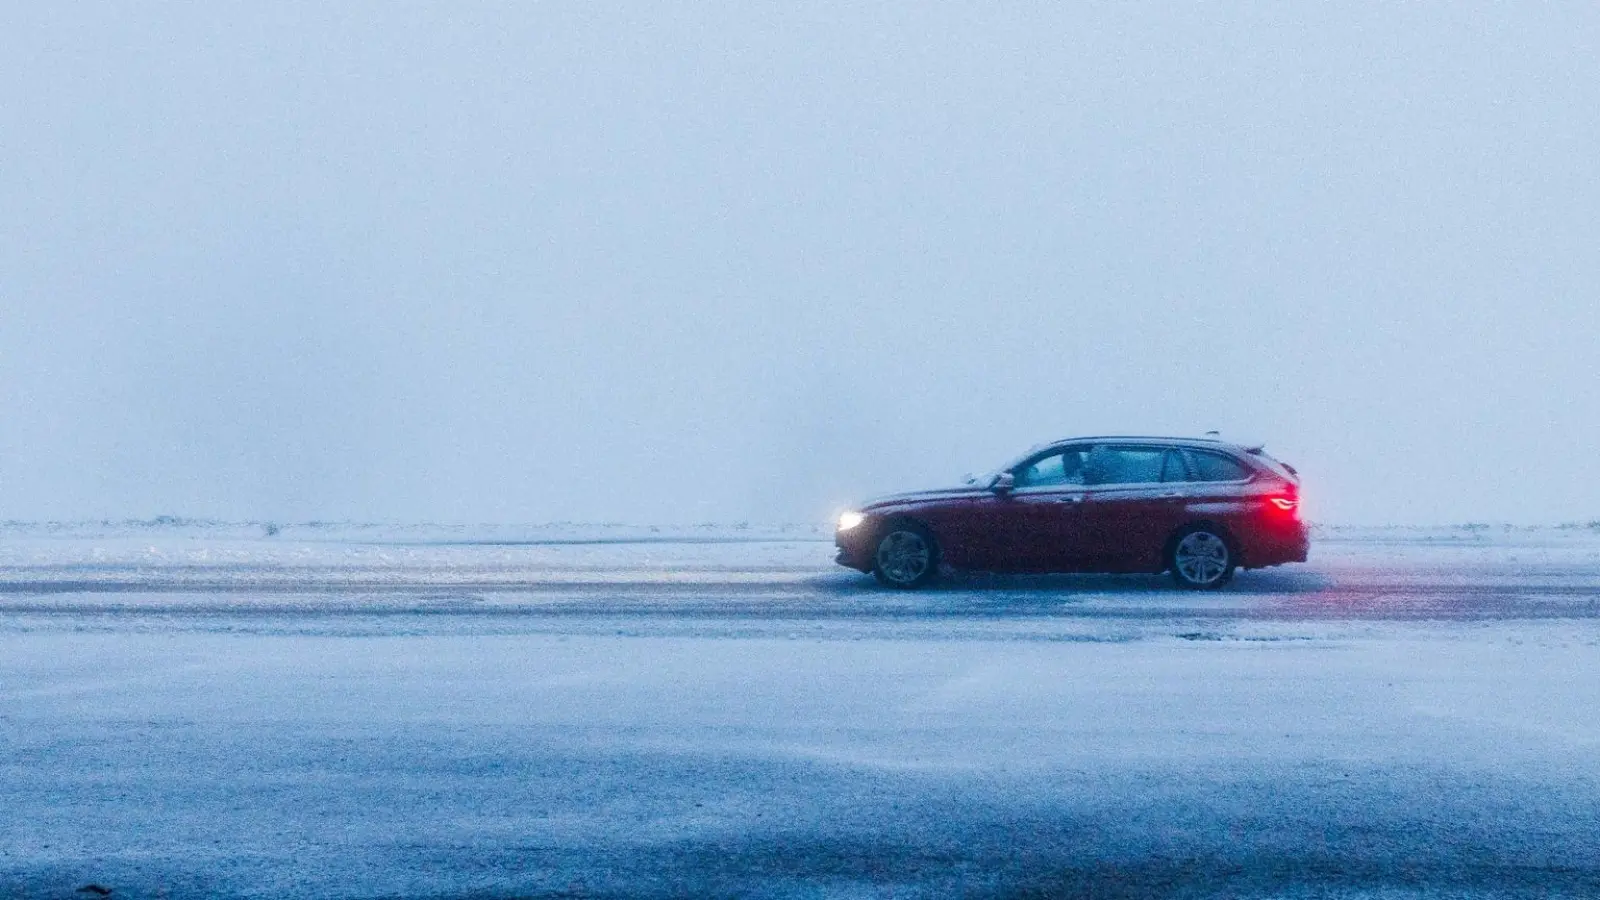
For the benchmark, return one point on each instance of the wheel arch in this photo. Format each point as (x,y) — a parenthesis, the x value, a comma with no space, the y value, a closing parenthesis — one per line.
(893,520)
(897,519)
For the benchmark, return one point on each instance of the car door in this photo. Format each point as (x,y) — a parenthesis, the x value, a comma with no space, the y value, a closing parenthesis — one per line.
(1043,527)
(1133,502)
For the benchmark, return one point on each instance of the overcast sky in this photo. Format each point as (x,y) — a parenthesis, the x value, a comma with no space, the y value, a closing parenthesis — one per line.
(708,262)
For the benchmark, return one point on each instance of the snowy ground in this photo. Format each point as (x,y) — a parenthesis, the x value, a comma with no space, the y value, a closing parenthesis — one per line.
(193,710)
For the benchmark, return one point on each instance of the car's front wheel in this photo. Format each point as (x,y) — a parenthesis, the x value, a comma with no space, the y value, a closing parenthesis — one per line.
(1201,559)
(907,557)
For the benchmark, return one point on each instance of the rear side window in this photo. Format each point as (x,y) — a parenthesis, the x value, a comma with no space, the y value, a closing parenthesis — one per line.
(1216,467)
(1125,465)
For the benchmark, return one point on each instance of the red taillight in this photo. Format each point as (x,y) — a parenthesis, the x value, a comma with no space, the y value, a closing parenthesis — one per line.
(1285,503)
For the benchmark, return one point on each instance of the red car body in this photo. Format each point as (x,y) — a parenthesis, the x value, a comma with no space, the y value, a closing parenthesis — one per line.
(1097,504)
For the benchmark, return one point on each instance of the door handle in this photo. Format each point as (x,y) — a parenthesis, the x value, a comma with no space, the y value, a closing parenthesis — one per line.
(1069,499)
(1174,495)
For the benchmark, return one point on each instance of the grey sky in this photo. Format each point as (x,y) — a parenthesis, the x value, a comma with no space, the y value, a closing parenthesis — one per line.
(683,262)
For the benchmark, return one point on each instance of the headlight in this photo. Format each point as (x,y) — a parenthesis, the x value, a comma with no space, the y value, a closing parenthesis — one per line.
(850,520)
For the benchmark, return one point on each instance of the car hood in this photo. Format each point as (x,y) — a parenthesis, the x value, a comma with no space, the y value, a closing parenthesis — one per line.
(916,498)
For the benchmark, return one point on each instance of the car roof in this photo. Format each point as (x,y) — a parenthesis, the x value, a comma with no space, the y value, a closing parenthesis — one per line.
(1159,439)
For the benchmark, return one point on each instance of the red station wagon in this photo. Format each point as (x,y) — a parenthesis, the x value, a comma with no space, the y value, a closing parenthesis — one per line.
(1196,507)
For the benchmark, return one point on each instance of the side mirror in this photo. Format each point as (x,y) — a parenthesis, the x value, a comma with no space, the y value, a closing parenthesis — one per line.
(1003,482)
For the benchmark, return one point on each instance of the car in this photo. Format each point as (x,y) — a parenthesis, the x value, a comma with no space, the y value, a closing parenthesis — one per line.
(1199,508)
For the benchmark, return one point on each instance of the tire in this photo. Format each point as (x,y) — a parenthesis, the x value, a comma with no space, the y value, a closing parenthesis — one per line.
(906,558)
(1201,558)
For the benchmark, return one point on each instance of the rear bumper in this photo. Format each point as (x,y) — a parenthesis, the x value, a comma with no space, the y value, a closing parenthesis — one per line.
(1270,548)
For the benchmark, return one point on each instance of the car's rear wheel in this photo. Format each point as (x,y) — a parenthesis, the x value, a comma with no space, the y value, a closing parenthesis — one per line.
(907,557)
(1201,559)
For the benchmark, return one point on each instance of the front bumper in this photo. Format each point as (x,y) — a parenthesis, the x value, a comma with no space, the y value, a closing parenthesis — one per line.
(854,549)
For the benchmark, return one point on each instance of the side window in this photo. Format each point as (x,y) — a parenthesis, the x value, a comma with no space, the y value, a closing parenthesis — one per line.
(1064,467)
(1125,465)
(1216,467)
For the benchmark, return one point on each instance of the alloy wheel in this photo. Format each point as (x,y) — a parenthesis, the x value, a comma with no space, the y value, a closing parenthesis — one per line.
(1201,558)
(904,557)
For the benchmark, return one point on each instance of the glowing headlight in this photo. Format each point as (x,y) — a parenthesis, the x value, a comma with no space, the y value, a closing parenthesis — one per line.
(850,520)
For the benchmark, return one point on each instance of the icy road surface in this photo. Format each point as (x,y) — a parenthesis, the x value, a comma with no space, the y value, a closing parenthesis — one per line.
(562,713)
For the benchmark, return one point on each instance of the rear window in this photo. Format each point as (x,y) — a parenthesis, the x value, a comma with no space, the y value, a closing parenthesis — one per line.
(1210,466)
(1282,468)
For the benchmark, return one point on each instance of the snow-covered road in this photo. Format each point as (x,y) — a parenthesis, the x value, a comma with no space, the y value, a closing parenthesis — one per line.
(567,715)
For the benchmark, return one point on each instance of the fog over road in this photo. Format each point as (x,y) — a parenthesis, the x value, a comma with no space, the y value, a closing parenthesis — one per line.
(1409,715)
